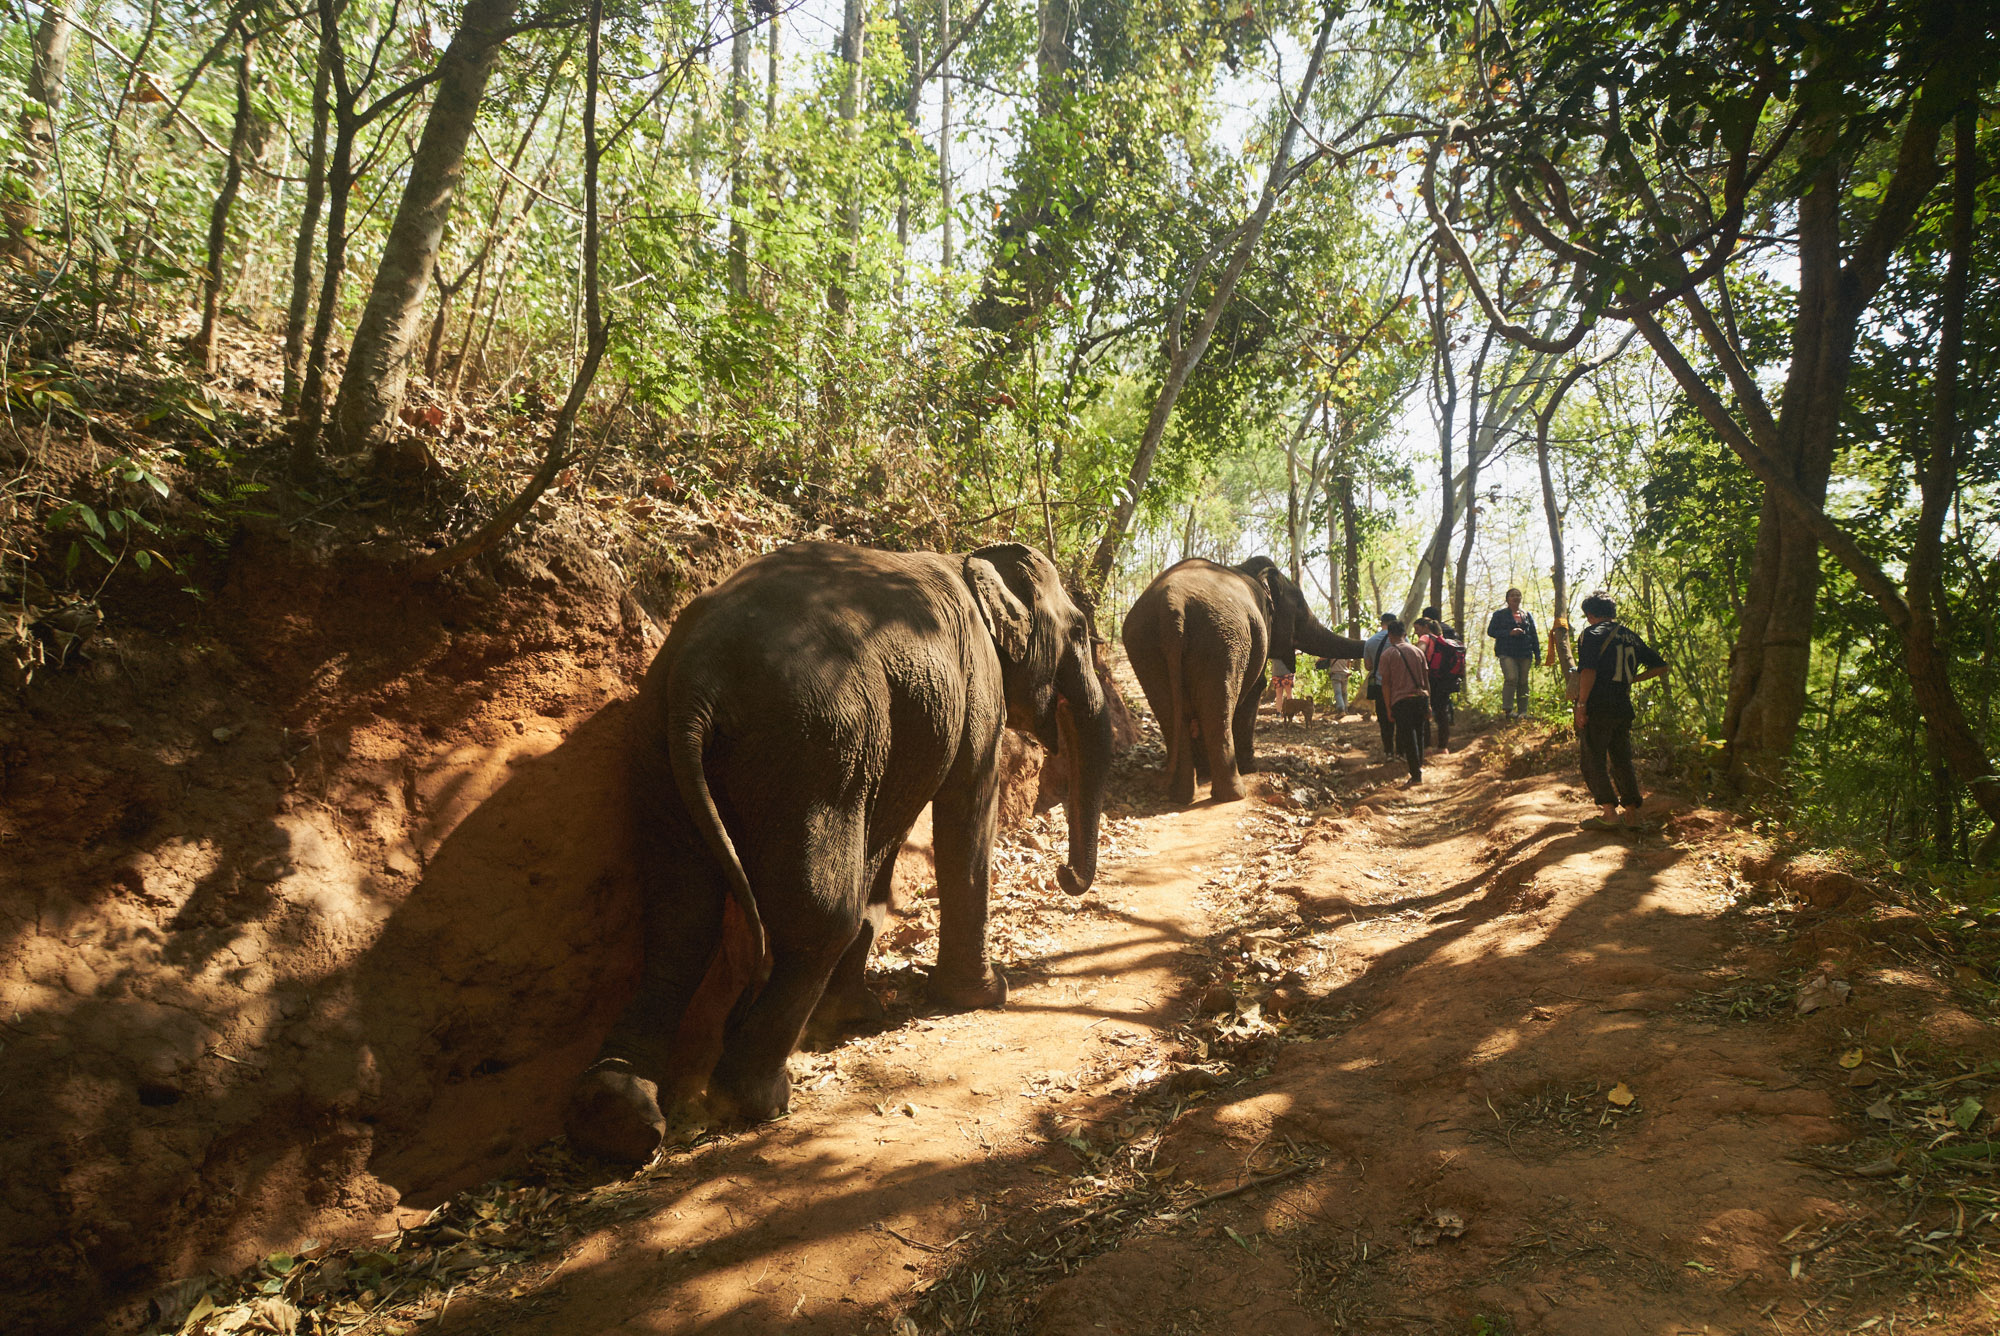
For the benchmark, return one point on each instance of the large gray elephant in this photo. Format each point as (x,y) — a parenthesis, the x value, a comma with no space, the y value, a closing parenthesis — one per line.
(794,725)
(1198,639)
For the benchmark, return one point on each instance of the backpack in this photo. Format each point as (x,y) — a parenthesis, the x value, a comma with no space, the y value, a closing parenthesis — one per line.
(1446,661)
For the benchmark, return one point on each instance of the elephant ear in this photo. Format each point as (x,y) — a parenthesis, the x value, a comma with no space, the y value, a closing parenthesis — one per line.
(1007,619)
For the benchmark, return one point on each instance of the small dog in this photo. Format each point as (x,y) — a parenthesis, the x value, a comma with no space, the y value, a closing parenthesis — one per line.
(1296,705)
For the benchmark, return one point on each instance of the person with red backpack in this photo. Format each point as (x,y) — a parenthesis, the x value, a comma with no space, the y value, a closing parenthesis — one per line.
(1406,694)
(1444,656)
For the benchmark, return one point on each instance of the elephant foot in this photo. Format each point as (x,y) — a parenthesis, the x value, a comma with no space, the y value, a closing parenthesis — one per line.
(1227,791)
(739,1098)
(1180,793)
(984,992)
(614,1114)
(839,1012)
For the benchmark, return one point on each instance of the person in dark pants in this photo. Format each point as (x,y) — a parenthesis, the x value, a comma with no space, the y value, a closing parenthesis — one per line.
(1406,693)
(1371,652)
(1611,658)
(1517,645)
(1445,658)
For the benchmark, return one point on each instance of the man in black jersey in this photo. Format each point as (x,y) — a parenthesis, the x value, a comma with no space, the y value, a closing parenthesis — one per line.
(1611,658)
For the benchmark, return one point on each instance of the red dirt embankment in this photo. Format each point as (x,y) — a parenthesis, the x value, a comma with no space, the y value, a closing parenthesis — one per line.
(306,913)
(311,913)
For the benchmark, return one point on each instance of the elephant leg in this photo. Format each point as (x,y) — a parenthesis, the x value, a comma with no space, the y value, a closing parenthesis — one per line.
(847,1000)
(1190,763)
(962,834)
(812,908)
(1183,747)
(614,1110)
(1243,729)
(1218,726)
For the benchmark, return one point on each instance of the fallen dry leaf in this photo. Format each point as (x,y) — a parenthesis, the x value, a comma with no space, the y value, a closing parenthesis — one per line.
(1851,1059)
(1822,990)
(1621,1095)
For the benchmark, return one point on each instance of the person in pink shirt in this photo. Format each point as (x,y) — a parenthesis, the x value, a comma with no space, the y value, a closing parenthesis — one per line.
(1406,694)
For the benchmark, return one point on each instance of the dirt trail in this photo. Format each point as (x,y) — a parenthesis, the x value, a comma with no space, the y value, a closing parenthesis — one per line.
(1426,1060)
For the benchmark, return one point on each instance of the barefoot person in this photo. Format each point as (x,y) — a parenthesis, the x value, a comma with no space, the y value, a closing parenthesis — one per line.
(1516,645)
(1611,657)
(1406,694)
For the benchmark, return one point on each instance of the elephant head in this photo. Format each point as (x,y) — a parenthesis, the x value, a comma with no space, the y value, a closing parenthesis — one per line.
(1293,627)
(1044,643)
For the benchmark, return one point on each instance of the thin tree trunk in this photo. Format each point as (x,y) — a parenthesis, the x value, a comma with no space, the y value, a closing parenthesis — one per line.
(225,200)
(944,127)
(853,37)
(300,304)
(378,361)
(1350,539)
(556,455)
(772,73)
(1187,356)
(1447,378)
(1948,733)
(739,153)
(47,66)
(1465,546)
(340,185)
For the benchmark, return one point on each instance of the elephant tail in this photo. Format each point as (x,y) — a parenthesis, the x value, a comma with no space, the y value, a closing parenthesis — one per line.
(685,753)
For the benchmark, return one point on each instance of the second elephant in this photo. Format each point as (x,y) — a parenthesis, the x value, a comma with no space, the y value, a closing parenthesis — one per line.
(1198,639)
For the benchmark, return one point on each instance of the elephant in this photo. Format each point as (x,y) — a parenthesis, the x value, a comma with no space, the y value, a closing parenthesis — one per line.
(787,735)
(1198,639)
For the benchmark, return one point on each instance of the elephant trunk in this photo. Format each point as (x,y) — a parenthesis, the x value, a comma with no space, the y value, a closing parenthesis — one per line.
(1085,722)
(1311,637)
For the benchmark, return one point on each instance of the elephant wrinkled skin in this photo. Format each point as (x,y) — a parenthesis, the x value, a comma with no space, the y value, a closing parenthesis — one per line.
(1198,639)
(797,720)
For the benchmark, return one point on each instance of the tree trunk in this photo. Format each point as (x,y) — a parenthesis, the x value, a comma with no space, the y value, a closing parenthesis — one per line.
(1512,395)
(739,153)
(340,185)
(944,127)
(555,454)
(302,249)
(1949,734)
(218,217)
(911,38)
(47,66)
(1465,547)
(378,362)
(1773,650)
(1447,381)
(853,38)
(1053,54)
(1185,358)
(772,70)
(1350,534)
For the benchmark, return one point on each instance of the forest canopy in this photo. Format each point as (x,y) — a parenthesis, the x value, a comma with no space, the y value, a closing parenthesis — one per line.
(1423,300)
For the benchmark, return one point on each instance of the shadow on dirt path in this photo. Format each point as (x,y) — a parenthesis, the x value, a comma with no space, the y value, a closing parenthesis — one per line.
(1342,1057)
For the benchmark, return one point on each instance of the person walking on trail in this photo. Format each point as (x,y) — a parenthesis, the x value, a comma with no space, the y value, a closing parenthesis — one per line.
(1337,671)
(1371,654)
(1517,646)
(1406,692)
(1283,679)
(1610,659)
(1444,657)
